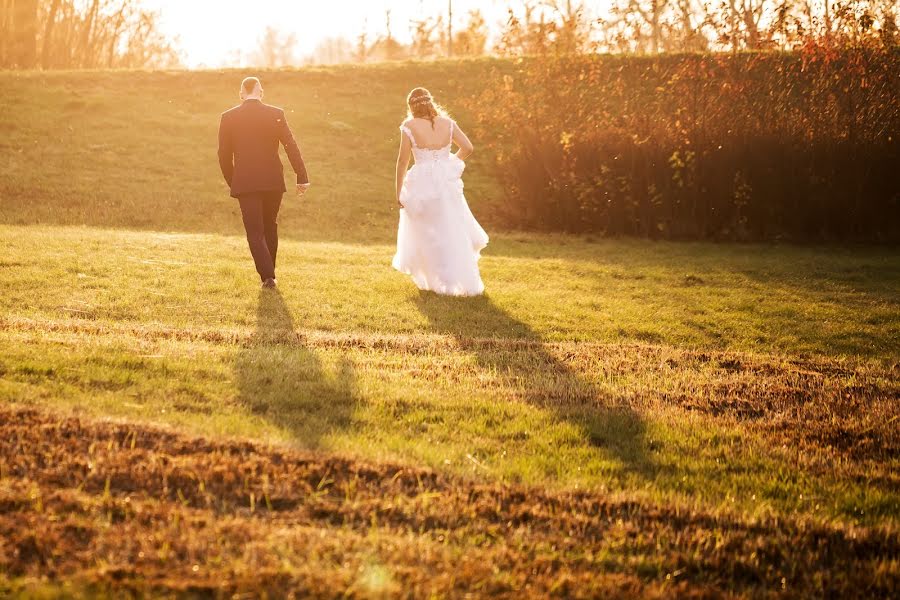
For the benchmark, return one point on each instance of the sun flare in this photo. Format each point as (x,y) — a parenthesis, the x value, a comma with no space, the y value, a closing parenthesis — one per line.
(216,33)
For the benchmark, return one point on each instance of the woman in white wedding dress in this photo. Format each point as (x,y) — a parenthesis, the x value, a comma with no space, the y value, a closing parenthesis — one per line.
(439,241)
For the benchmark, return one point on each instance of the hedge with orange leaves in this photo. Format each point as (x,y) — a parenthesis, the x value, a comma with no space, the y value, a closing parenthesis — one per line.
(799,146)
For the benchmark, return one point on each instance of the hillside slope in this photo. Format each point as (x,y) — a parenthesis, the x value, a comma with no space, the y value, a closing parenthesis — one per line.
(138,149)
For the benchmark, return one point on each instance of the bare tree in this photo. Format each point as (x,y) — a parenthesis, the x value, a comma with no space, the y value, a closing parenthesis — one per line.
(332,51)
(537,27)
(750,14)
(6,32)
(472,41)
(274,49)
(426,35)
(49,23)
(85,50)
(687,27)
(572,32)
(643,21)
(146,47)
(361,52)
(18,43)
(76,34)
(386,47)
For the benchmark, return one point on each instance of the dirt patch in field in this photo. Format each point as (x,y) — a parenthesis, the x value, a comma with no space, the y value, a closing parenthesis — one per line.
(129,509)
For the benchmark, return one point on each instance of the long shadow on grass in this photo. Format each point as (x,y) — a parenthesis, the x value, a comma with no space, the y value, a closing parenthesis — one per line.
(504,346)
(281,379)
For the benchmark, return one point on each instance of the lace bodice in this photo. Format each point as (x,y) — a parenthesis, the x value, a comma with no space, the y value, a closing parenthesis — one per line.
(428,154)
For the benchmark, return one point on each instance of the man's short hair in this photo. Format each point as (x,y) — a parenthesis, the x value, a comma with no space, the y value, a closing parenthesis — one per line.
(249,84)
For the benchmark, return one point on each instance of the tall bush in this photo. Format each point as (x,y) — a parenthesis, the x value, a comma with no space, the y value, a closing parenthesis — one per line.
(800,145)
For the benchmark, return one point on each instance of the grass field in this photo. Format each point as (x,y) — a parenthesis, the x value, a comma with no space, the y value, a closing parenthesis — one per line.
(614,418)
(139,151)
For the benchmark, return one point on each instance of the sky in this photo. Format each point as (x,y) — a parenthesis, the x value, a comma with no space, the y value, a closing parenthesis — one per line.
(209,31)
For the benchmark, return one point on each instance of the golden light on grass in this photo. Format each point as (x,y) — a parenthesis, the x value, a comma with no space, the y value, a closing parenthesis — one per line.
(616,417)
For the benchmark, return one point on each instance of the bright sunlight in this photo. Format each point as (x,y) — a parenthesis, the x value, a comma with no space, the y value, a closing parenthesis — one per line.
(352,299)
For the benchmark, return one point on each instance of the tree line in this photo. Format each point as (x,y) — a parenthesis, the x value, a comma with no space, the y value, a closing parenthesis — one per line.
(536,27)
(72,34)
(653,26)
(86,34)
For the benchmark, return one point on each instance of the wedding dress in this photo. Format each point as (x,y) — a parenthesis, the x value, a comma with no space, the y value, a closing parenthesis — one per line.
(439,241)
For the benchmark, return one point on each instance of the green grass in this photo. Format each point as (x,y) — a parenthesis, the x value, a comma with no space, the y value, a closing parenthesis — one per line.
(552,384)
(138,150)
(828,302)
(743,381)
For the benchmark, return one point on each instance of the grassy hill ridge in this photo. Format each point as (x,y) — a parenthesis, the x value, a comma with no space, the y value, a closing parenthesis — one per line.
(138,149)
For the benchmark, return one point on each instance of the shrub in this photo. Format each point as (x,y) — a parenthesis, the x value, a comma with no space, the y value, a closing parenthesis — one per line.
(800,146)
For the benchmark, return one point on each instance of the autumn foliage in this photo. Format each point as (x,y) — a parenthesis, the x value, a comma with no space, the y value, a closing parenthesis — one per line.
(746,146)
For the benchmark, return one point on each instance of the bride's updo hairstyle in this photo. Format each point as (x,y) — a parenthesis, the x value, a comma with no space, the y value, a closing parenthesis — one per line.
(422,105)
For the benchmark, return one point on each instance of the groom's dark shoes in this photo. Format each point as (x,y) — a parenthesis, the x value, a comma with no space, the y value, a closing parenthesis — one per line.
(249,137)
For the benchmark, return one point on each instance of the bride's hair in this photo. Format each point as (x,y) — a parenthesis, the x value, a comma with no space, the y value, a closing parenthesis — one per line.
(422,105)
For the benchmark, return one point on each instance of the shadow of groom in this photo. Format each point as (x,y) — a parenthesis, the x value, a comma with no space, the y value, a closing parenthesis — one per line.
(282,380)
(512,350)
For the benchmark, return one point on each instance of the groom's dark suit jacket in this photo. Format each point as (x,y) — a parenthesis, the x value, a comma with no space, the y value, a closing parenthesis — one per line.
(249,136)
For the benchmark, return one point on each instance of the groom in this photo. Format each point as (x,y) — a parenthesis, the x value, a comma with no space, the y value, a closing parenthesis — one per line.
(249,135)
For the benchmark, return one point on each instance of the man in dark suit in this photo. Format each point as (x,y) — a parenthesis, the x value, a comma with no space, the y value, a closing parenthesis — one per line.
(249,136)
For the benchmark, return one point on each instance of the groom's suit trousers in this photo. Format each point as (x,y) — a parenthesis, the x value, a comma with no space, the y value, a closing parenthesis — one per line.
(260,213)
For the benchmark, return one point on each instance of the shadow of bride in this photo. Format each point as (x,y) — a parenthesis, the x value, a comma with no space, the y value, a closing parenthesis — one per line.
(282,380)
(510,350)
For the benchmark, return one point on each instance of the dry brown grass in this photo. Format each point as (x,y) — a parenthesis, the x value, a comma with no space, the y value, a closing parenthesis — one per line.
(125,507)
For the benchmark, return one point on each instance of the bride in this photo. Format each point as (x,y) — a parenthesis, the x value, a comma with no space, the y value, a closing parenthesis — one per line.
(439,241)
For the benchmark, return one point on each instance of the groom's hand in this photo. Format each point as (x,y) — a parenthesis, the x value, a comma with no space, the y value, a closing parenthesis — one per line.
(301,188)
